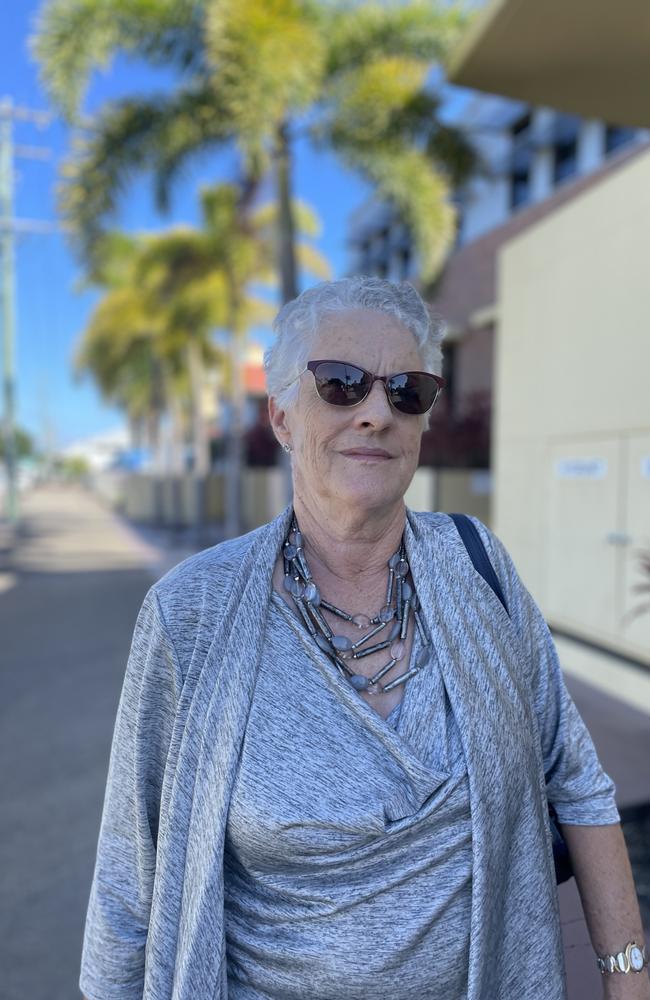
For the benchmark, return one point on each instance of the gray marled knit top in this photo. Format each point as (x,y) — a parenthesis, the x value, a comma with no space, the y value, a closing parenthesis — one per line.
(348,847)
(217,810)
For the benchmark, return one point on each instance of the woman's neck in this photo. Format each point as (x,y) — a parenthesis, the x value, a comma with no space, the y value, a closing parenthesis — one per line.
(350,545)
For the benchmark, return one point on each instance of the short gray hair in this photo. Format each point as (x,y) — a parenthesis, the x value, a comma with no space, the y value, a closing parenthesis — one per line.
(297,324)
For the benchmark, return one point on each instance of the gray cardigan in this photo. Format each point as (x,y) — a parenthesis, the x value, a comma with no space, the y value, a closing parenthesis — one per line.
(155,927)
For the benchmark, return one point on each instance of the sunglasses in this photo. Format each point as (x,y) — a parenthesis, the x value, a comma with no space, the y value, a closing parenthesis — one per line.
(342,384)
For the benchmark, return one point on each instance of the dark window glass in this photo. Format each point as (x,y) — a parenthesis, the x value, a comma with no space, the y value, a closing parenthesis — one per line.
(617,136)
(565,160)
(521,124)
(521,161)
(519,187)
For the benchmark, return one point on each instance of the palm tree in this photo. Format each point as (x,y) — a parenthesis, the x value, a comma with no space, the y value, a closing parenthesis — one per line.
(168,294)
(352,77)
(136,349)
(205,279)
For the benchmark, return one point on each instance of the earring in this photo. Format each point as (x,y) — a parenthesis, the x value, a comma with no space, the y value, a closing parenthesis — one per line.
(287,447)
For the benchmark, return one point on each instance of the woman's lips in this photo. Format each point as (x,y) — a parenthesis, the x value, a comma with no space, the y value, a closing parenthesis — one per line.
(368,454)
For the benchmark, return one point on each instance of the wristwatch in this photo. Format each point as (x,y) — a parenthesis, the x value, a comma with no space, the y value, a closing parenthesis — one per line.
(633,958)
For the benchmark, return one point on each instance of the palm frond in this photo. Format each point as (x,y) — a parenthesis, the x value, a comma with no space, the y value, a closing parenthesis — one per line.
(406,178)
(307,221)
(420,29)
(368,99)
(453,153)
(268,60)
(74,37)
(131,136)
(167,262)
(313,261)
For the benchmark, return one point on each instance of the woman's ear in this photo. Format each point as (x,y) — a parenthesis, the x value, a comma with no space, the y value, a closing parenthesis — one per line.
(278,420)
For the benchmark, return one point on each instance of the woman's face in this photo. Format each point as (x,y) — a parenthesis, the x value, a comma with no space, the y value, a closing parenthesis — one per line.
(332,445)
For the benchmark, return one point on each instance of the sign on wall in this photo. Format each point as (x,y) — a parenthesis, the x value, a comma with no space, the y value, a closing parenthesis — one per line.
(581,468)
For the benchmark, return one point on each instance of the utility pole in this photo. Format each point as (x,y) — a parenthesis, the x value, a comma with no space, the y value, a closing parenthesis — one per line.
(8,226)
(8,304)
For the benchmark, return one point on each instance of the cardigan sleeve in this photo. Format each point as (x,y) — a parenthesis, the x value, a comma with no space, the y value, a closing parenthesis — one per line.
(113,957)
(576,784)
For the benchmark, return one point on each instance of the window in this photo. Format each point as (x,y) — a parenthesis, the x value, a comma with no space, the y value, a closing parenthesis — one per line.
(521,125)
(405,263)
(519,188)
(565,147)
(565,160)
(521,161)
(617,136)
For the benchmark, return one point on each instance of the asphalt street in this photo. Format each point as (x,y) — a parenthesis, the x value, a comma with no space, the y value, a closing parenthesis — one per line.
(71,583)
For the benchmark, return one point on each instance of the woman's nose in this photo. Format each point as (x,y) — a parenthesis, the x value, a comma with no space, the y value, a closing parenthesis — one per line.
(376,407)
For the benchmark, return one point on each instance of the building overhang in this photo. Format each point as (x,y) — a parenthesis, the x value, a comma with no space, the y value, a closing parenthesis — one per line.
(585,57)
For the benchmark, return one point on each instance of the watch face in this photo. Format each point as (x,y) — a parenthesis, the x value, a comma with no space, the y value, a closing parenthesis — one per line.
(636,959)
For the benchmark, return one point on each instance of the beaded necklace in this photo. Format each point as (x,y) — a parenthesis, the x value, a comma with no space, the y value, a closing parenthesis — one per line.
(400,606)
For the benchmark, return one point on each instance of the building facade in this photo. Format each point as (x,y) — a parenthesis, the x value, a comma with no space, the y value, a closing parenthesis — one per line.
(529,161)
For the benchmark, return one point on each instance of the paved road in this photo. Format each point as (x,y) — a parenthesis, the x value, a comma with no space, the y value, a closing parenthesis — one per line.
(69,595)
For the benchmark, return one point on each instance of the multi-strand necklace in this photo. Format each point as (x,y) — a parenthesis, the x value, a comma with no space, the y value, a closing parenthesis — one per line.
(390,626)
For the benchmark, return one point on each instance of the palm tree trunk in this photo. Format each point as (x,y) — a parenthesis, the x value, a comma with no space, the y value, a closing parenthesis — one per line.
(286,223)
(176,464)
(201,457)
(286,242)
(136,430)
(153,438)
(199,437)
(235,459)
(156,413)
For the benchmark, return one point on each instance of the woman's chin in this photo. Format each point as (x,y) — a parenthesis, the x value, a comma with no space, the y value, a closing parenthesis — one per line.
(369,495)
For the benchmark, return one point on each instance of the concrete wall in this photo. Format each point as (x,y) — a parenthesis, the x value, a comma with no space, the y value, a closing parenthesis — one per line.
(465,491)
(571,437)
(176,502)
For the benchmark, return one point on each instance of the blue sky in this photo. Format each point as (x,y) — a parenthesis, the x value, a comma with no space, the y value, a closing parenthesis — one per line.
(50,311)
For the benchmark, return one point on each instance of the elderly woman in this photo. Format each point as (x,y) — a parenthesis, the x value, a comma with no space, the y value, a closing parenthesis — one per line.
(334,747)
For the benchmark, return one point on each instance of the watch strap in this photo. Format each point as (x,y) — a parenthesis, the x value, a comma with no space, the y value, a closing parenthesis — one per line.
(633,958)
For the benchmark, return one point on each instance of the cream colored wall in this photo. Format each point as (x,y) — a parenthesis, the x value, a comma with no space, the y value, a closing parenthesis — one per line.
(572,381)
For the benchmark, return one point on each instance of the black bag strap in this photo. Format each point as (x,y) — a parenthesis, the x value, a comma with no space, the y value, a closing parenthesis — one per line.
(476,550)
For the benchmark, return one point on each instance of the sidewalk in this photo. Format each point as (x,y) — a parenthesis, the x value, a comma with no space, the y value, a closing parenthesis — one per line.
(614,701)
(72,582)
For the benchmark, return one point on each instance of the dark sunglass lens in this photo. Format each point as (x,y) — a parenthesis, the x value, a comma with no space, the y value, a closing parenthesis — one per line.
(340,384)
(412,392)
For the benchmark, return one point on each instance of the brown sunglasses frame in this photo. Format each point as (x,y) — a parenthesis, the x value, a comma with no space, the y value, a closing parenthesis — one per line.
(439,380)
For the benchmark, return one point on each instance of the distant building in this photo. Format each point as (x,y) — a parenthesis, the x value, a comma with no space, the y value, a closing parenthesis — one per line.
(561,287)
(261,446)
(100,451)
(525,155)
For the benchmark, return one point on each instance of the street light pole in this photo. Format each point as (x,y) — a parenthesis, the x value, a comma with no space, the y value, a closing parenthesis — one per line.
(8,302)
